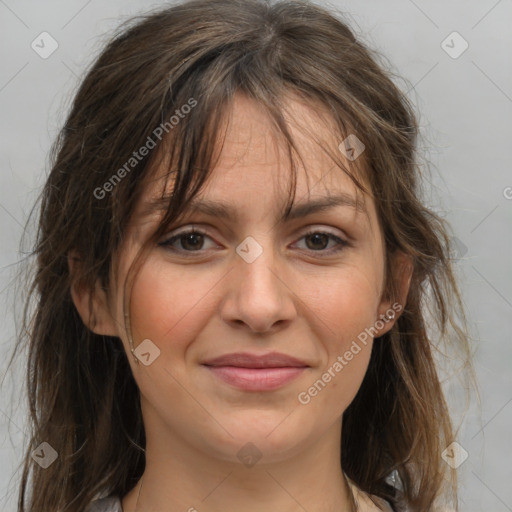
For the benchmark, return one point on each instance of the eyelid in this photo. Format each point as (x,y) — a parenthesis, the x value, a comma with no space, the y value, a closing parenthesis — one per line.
(343,241)
(189,229)
(312,228)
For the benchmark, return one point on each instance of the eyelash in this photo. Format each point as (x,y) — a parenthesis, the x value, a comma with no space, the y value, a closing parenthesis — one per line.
(195,231)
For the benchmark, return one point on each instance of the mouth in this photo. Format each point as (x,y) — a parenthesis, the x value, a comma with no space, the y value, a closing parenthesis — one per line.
(251,372)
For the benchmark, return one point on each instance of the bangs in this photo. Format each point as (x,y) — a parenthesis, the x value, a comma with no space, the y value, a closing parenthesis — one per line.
(187,157)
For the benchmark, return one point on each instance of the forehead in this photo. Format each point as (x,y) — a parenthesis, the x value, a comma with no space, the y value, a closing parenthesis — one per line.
(254,149)
(253,164)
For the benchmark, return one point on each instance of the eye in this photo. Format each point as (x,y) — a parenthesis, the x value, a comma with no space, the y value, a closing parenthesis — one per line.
(191,240)
(317,241)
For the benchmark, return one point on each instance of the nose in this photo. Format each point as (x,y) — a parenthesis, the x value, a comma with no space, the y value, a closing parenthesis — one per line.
(258,296)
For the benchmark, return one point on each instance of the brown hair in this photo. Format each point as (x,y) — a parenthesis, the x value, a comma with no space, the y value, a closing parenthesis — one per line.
(83,399)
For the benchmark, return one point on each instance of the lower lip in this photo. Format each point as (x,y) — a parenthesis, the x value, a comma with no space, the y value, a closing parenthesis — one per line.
(256,379)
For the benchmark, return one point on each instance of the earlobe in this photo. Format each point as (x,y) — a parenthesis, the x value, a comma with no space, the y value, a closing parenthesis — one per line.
(391,309)
(93,308)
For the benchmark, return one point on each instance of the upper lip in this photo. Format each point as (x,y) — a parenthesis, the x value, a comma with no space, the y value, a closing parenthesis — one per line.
(246,360)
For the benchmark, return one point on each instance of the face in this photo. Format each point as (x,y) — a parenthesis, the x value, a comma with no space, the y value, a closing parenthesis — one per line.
(260,328)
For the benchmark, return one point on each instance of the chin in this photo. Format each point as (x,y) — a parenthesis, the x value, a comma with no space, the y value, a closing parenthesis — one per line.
(265,436)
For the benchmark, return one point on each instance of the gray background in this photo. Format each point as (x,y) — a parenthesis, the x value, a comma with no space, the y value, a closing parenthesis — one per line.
(465,108)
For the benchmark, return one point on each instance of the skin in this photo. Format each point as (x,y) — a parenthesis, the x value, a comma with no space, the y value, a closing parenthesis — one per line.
(291,299)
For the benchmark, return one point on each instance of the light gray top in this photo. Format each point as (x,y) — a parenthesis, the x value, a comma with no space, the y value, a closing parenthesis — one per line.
(113,504)
(109,504)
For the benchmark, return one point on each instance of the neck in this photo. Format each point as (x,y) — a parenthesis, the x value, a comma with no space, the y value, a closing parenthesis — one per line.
(179,477)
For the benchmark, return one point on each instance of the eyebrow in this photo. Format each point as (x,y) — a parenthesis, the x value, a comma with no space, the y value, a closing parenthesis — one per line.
(227,212)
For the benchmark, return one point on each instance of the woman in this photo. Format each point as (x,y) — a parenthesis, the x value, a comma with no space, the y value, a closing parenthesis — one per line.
(233,263)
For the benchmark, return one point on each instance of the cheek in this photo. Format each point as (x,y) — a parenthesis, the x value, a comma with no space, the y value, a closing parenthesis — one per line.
(167,304)
(346,302)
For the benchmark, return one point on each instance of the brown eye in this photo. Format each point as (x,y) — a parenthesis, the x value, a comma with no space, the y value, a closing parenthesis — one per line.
(318,241)
(191,241)
(186,241)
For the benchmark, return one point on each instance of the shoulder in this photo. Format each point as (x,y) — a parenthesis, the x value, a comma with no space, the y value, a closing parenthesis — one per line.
(109,504)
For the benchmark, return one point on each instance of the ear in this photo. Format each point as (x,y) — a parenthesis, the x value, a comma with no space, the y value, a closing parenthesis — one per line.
(94,310)
(391,308)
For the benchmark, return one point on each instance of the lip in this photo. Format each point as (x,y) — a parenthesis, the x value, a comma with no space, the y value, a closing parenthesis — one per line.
(247,360)
(253,372)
